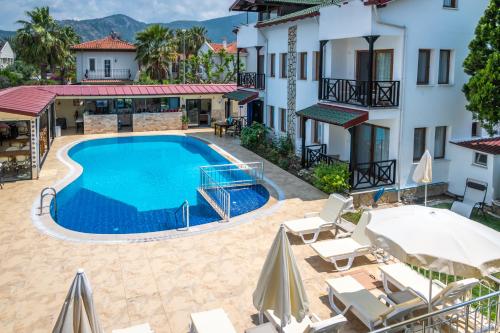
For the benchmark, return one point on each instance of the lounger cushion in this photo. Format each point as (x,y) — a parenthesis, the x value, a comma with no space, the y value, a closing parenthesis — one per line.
(462,208)
(351,293)
(307,225)
(327,325)
(336,247)
(213,321)
(143,328)
(407,277)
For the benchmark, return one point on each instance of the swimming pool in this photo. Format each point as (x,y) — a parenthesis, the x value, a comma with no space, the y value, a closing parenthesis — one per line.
(136,184)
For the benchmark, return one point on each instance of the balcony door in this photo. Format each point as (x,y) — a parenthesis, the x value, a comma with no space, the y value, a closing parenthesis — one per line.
(107,68)
(372,143)
(382,66)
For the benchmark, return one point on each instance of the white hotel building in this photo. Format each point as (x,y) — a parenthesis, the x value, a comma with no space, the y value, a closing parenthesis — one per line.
(312,63)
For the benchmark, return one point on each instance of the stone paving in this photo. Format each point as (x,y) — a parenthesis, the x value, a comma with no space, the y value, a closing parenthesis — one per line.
(158,282)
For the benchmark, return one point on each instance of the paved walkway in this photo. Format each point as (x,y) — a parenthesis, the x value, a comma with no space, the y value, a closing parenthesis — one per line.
(157,282)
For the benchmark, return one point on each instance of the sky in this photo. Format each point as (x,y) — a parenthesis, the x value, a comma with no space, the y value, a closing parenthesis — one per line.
(149,11)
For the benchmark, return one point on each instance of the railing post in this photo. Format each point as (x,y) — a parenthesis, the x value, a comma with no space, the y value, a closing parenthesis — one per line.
(303,140)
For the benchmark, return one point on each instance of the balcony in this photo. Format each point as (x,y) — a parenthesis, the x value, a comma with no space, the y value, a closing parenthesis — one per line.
(108,74)
(252,80)
(384,94)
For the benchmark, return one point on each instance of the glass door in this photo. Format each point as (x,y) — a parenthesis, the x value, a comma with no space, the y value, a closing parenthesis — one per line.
(193,107)
(372,143)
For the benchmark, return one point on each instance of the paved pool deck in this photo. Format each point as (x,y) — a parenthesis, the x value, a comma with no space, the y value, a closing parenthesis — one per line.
(159,282)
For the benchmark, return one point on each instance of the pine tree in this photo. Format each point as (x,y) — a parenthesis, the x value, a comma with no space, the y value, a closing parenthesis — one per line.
(483,65)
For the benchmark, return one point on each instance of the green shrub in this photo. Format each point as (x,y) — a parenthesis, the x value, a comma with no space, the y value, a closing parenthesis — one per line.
(253,136)
(332,178)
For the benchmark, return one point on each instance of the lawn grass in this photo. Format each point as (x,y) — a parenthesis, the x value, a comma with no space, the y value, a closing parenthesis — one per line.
(353,217)
(485,218)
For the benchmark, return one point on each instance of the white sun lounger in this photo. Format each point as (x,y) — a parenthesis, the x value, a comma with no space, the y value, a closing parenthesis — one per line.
(310,324)
(415,284)
(327,219)
(346,248)
(142,328)
(365,306)
(213,321)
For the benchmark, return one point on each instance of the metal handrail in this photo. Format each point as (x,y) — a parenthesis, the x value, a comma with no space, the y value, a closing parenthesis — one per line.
(424,318)
(185,215)
(48,191)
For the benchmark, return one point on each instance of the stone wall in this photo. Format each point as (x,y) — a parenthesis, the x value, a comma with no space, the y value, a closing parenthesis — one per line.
(100,123)
(163,121)
(291,81)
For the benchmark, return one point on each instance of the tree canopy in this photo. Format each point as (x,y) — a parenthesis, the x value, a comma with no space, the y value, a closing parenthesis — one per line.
(483,65)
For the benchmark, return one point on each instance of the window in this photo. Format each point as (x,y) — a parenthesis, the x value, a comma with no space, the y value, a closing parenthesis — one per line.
(92,64)
(283,65)
(299,127)
(424,61)
(439,142)
(283,120)
(444,67)
(418,143)
(272,65)
(303,66)
(450,3)
(315,131)
(475,129)
(480,159)
(316,65)
(271,117)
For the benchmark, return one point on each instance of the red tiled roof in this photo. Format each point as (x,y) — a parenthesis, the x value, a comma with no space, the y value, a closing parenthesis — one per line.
(487,145)
(105,44)
(27,101)
(139,90)
(31,100)
(231,48)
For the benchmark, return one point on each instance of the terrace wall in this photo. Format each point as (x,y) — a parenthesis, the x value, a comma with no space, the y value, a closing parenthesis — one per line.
(163,121)
(100,124)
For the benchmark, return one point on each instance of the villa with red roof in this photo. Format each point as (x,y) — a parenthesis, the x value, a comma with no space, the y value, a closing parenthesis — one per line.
(230,48)
(109,60)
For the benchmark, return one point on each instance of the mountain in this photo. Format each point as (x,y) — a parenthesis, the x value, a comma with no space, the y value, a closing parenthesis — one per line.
(4,34)
(127,27)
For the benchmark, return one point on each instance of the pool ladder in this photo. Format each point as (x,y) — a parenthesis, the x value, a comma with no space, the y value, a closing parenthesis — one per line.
(47,192)
(185,215)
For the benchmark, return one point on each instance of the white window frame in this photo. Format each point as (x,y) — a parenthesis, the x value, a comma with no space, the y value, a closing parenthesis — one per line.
(95,65)
(474,162)
(110,68)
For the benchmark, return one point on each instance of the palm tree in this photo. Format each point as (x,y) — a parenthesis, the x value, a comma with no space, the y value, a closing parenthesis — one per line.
(68,37)
(42,42)
(198,36)
(156,51)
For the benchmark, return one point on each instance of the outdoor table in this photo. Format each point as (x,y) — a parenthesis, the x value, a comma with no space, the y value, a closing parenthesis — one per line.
(222,126)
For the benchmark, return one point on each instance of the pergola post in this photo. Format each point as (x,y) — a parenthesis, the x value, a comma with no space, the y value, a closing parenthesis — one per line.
(352,154)
(371,41)
(238,66)
(303,139)
(322,44)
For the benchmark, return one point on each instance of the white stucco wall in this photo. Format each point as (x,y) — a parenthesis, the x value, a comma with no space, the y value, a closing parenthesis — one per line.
(6,55)
(119,61)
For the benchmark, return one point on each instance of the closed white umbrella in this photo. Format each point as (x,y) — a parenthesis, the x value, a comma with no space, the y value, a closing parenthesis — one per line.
(280,286)
(78,313)
(423,172)
(436,239)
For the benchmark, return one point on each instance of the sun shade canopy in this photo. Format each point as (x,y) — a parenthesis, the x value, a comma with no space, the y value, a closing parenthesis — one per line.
(242,96)
(334,115)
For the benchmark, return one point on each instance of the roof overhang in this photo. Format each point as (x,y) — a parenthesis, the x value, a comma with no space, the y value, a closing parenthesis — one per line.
(335,115)
(483,145)
(242,96)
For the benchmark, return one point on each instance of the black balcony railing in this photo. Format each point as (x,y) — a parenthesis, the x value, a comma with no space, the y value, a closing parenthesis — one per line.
(363,175)
(355,92)
(108,74)
(252,80)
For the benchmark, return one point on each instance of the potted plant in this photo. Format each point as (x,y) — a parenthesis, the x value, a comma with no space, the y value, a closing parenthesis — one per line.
(185,121)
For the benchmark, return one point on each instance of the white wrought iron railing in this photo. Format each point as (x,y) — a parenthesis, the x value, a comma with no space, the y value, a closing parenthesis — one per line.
(215,180)
(184,211)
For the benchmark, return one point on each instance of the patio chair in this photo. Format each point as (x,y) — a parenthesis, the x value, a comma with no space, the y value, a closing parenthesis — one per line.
(310,324)
(474,197)
(213,321)
(411,284)
(370,310)
(346,248)
(315,223)
(143,328)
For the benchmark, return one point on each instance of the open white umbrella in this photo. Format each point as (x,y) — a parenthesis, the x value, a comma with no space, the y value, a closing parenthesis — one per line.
(280,285)
(78,313)
(423,172)
(436,239)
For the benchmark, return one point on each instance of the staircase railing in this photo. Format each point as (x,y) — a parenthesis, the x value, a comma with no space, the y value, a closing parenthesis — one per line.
(48,191)
(184,209)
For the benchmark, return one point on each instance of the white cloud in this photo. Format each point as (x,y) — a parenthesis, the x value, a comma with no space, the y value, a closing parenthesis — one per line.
(149,11)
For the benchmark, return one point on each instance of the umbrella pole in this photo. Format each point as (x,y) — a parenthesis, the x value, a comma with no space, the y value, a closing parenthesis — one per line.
(429,305)
(425,195)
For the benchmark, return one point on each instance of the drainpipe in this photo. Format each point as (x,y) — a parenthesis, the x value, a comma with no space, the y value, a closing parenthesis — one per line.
(402,87)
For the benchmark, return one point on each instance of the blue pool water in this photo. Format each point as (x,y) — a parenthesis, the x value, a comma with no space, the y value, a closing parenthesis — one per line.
(136,184)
